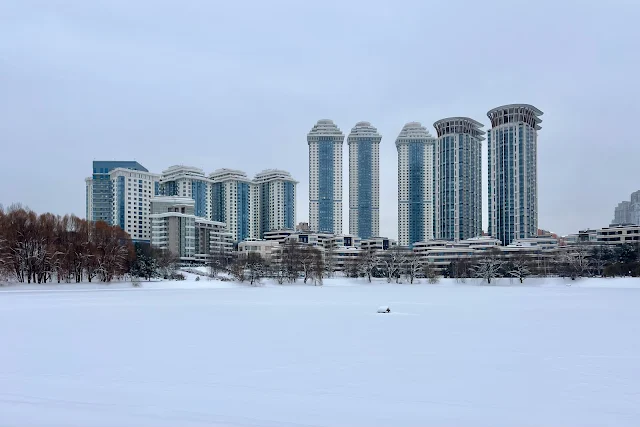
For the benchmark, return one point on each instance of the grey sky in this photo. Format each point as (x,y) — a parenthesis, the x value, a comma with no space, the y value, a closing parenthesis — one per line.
(239,84)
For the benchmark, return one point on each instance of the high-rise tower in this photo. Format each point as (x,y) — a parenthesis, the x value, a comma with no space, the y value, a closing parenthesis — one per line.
(415,184)
(364,180)
(325,177)
(513,178)
(458,179)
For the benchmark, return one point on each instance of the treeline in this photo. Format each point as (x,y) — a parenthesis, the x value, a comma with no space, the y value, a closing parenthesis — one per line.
(44,248)
(295,261)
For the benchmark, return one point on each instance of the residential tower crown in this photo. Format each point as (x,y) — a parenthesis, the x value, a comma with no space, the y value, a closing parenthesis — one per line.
(324,127)
(455,125)
(515,113)
(414,132)
(364,130)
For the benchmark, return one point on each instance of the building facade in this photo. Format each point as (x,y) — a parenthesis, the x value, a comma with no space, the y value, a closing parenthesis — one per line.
(235,201)
(132,191)
(174,226)
(458,179)
(188,181)
(325,177)
(513,179)
(415,184)
(364,180)
(622,213)
(99,190)
(277,193)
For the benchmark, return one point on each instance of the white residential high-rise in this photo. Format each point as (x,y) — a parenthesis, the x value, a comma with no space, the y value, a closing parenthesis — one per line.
(277,192)
(188,181)
(415,184)
(132,191)
(364,180)
(513,178)
(458,179)
(325,177)
(235,200)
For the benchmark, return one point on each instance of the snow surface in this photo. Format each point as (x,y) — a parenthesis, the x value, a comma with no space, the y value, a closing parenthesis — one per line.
(209,353)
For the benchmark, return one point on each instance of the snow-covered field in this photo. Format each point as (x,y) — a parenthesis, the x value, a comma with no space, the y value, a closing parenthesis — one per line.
(210,353)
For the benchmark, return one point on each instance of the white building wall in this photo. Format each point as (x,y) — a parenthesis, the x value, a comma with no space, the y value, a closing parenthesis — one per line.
(132,204)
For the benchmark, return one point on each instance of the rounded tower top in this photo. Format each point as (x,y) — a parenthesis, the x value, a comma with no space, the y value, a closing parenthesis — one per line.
(414,132)
(364,130)
(455,125)
(515,113)
(325,127)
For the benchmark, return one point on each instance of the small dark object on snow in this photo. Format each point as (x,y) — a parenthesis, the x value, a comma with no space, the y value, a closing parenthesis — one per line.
(384,309)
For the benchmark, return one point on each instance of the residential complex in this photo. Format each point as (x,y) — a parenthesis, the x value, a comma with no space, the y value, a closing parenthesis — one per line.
(99,194)
(235,201)
(177,229)
(364,180)
(458,179)
(132,191)
(628,211)
(277,198)
(325,177)
(513,183)
(188,181)
(415,184)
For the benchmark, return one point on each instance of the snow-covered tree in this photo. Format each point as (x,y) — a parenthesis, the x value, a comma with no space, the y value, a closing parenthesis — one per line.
(519,268)
(367,262)
(412,266)
(392,262)
(489,266)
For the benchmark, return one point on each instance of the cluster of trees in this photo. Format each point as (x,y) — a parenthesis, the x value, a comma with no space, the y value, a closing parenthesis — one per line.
(43,248)
(572,262)
(51,248)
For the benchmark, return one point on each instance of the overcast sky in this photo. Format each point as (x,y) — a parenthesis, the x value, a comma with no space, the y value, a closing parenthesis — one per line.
(239,84)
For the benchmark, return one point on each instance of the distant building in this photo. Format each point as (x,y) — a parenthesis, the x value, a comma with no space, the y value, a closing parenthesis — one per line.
(619,234)
(415,147)
(188,181)
(325,177)
(378,244)
(303,226)
(277,206)
(513,177)
(364,180)
(458,179)
(132,191)
(235,201)
(174,225)
(99,192)
(176,228)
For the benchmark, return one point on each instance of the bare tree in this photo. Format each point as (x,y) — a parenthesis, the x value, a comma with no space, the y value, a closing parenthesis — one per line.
(392,263)
(318,268)
(489,266)
(308,256)
(255,268)
(412,266)
(519,267)
(574,262)
(367,262)
(430,273)
(329,259)
(291,255)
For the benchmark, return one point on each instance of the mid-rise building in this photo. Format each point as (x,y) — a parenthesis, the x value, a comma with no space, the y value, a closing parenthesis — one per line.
(235,201)
(173,226)
(188,181)
(132,191)
(176,228)
(378,244)
(513,176)
(415,184)
(325,177)
(277,193)
(99,190)
(364,180)
(619,234)
(458,179)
